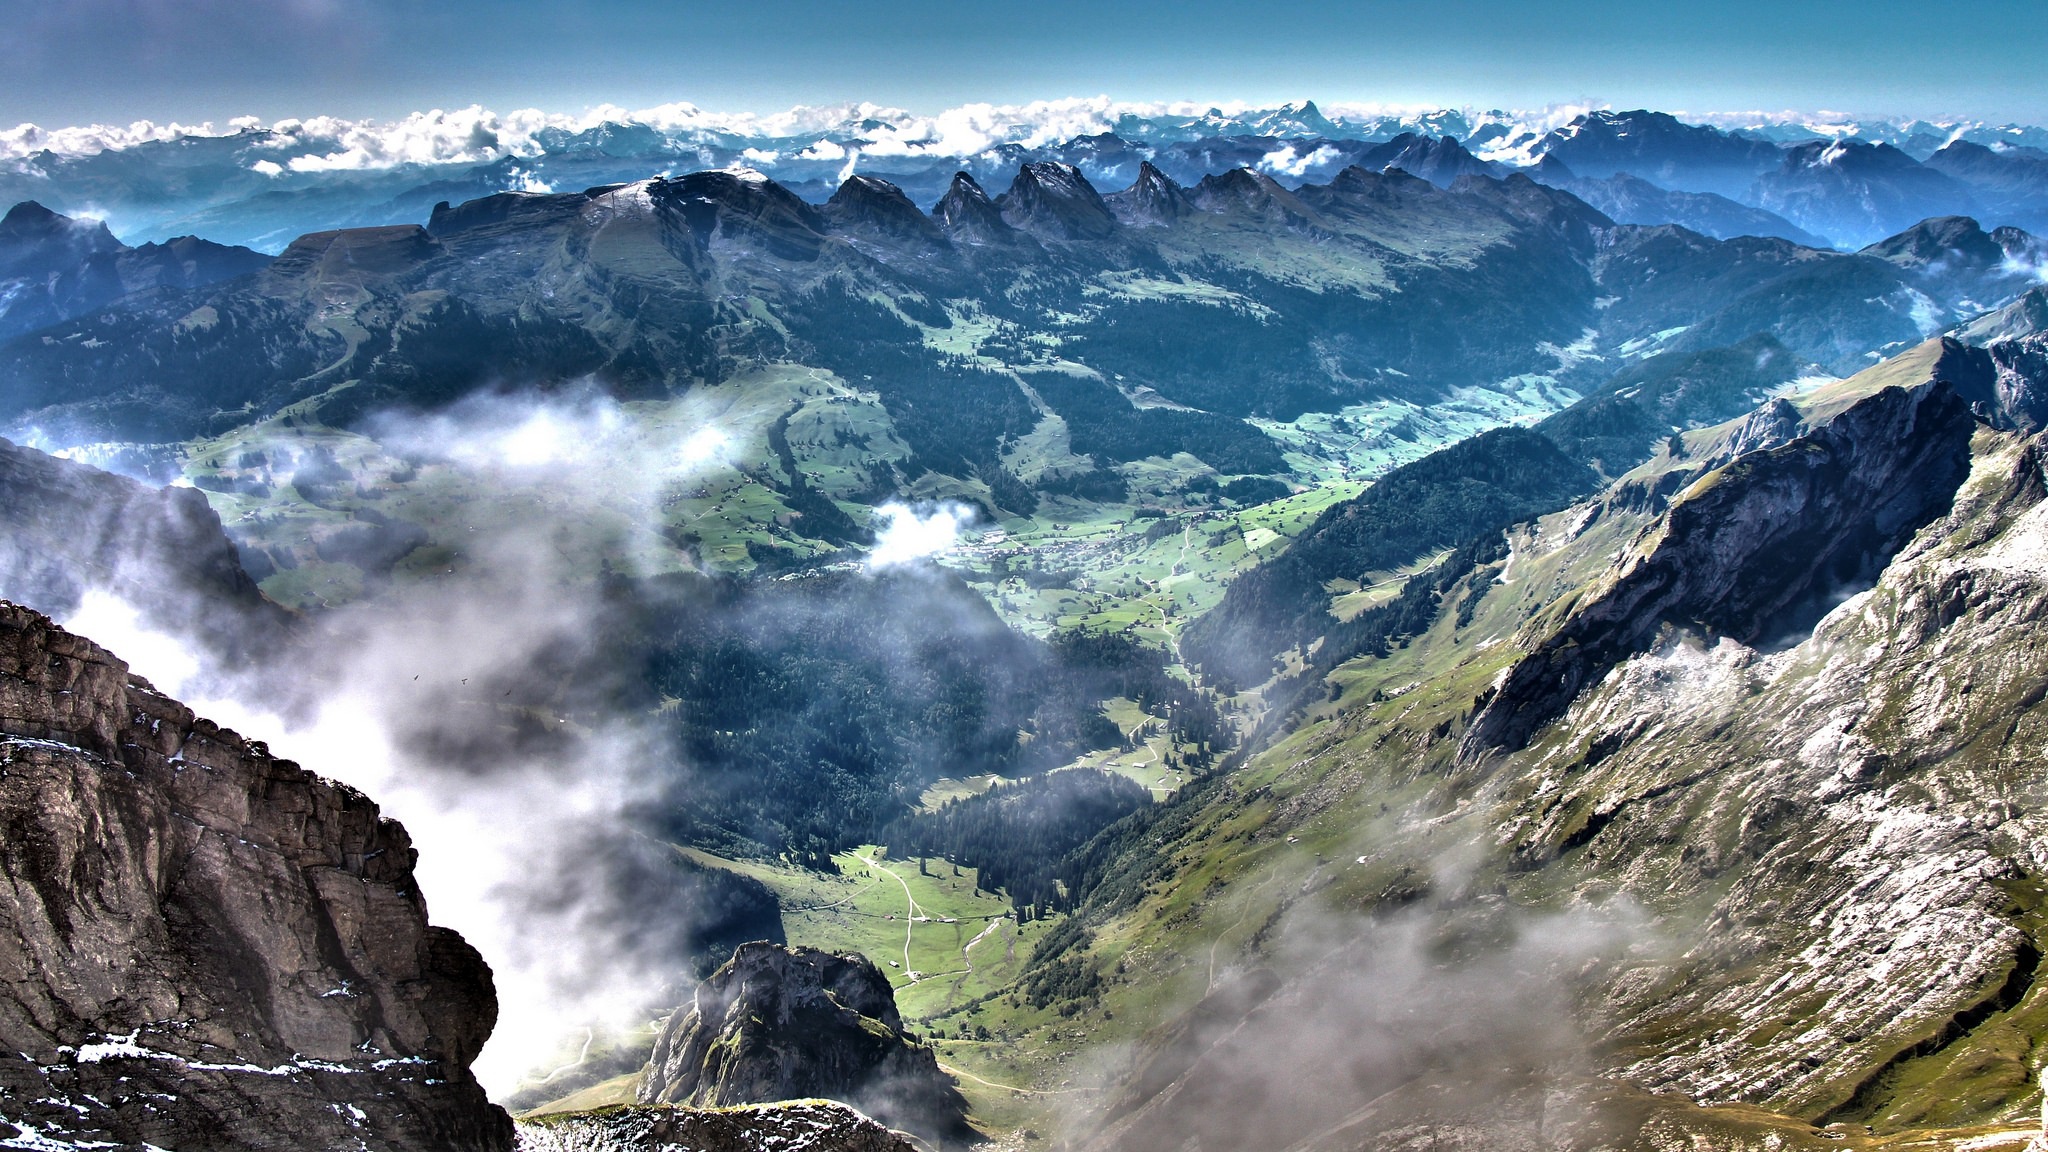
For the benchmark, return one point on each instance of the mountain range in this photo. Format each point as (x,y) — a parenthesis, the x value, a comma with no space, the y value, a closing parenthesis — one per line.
(1500,638)
(1848,181)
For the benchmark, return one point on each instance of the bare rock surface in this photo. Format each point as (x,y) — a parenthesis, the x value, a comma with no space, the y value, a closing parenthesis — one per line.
(203,946)
(1805,853)
(776,1023)
(795,1126)
(1746,547)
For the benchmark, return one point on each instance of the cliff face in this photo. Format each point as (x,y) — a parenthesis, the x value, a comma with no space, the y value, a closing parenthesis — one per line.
(206,947)
(1846,834)
(777,1023)
(1751,550)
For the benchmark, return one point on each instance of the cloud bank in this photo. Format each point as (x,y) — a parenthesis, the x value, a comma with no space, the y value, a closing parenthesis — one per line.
(833,132)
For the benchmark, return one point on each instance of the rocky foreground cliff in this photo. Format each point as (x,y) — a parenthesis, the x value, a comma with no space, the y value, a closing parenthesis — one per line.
(790,1126)
(205,947)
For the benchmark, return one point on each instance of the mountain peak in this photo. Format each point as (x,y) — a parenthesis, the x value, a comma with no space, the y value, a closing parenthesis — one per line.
(1053,200)
(29,221)
(1437,159)
(1246,191)
(29,213)
(871,204)
(776,1023)
(1152,199)
(1939,238)
(965,212)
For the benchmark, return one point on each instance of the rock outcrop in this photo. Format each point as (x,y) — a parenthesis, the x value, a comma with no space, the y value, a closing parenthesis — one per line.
(797,1126)
(203,946)
(778,1023)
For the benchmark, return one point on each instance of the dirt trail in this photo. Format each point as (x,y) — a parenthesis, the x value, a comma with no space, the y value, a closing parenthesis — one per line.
(910,912)
(957,1071)
(993,924)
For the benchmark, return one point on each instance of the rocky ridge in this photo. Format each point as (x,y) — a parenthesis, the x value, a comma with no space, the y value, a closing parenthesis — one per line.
(792,1126)
(205,946)
(1745,549)
(1817,849)
(777,1023)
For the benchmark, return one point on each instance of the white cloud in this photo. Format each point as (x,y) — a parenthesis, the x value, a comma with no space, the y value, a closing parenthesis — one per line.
(86,140)
(828,132)
(118,626)
(1289,162)
(907,535)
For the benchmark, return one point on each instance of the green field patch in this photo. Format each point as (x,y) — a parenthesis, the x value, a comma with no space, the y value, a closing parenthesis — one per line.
(941,942)
(944,790)
(1146,286)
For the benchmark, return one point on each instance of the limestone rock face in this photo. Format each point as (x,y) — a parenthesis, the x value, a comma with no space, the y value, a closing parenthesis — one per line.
(205,947)
(777,1023)
(1747,547)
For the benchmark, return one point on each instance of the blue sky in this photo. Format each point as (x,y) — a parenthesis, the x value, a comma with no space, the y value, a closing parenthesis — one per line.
(73,61)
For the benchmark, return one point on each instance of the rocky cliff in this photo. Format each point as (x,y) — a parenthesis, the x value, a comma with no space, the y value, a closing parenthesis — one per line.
(203,946)
(778,1023)
(1752,550)
(797,1126)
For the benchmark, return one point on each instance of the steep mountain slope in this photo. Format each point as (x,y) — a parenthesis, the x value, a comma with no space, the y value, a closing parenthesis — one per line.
(67,529)
(53,268)
(1473,488)
(1856,193)
(205,945)
(1796,874)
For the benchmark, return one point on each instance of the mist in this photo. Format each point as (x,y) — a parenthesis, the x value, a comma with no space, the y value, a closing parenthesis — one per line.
(1453,1024)
(486,709)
